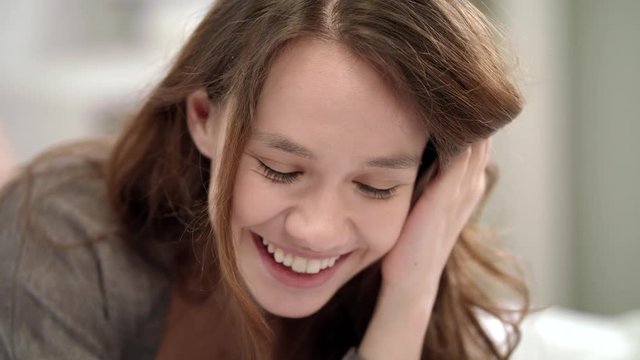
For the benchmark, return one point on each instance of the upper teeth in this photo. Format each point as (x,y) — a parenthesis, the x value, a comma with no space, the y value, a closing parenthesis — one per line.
(297,263)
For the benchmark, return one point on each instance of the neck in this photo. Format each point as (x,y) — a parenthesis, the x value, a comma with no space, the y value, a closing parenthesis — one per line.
(199,325)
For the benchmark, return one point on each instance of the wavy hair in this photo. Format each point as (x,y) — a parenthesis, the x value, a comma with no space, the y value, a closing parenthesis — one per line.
(442,55)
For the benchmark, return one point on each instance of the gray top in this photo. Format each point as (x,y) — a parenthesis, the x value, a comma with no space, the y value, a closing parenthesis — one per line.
(69,286)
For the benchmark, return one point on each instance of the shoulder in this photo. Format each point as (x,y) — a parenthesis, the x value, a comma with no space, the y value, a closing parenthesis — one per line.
(64,265)
(59,200)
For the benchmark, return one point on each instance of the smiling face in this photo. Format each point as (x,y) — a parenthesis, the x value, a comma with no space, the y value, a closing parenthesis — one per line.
(325,182)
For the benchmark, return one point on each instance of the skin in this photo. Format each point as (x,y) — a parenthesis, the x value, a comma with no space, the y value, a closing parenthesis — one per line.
(344,120)
(324,99)
(412,269)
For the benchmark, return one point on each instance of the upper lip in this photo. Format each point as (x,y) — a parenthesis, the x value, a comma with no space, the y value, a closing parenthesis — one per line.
(302,253)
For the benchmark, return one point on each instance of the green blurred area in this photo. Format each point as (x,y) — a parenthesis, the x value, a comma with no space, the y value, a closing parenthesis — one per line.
(605,118)
(568,199)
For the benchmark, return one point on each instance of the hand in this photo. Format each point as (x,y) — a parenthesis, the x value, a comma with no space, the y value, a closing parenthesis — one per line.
(414,265)
(411,270)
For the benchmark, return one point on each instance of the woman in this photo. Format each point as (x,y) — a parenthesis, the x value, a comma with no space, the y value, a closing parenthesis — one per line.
(302,184)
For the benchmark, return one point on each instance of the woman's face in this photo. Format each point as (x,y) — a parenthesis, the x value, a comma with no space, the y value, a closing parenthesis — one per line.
(326,179)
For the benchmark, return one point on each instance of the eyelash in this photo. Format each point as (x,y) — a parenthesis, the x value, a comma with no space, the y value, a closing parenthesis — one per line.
(288,178)
(277,176)
(378,194)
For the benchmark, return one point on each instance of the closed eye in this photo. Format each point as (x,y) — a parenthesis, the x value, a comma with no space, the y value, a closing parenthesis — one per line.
(375,193)
(277,176)
(289,177)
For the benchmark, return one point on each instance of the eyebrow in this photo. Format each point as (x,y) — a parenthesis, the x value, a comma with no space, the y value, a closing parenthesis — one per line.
(285,144)
(280,142)
(394,162)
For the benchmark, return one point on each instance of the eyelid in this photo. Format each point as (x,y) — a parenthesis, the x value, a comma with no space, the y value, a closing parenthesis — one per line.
(289,177)
(375,193)
(277,176)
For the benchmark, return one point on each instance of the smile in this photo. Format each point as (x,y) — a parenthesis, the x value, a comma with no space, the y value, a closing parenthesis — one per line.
(299,264)
(297,271)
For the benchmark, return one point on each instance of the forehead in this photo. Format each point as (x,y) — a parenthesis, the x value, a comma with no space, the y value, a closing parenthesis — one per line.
(319,93)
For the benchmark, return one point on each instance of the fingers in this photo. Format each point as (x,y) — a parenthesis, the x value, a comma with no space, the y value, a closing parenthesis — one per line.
(472,184)
(463,178)
(467,168)
(453,174)
(477,177)
(475,183)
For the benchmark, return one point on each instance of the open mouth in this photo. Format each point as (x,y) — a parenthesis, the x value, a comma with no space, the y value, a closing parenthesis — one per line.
(294,270)
(298,264)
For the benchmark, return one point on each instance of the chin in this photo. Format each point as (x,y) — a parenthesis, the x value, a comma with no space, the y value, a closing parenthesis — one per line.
(291,313)
(293,309)
(286,302)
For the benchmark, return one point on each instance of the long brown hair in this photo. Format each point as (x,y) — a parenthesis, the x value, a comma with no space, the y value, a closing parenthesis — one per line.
(440,54)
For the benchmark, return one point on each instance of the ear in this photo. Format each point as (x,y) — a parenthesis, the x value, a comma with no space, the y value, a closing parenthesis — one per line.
(202,116)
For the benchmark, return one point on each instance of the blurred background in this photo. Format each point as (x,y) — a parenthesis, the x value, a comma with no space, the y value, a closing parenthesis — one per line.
(568,202)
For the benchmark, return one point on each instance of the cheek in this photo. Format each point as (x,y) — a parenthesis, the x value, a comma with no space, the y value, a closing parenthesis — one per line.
(255,200)
(383,226)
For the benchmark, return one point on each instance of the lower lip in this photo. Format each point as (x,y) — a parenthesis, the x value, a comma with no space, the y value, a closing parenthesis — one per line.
(289,277)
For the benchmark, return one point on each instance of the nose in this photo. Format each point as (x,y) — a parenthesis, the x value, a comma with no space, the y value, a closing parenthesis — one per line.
(319,222)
